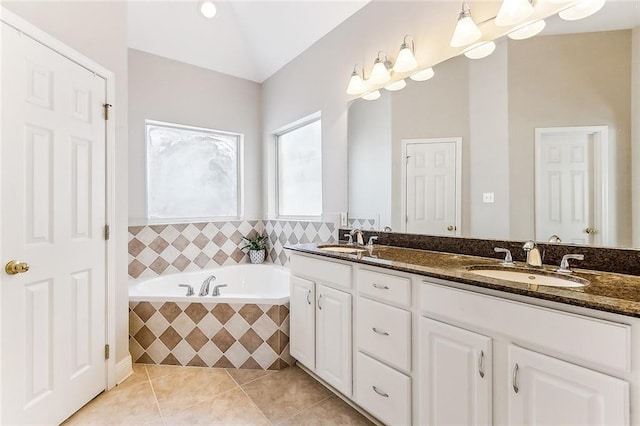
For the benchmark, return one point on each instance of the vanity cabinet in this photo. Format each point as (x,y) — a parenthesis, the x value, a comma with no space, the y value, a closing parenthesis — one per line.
(456,375)
(302,312)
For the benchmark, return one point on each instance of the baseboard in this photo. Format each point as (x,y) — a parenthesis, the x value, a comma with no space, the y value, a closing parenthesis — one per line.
(124,369)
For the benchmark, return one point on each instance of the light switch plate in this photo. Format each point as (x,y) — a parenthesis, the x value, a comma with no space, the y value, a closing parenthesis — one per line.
(487,197)
(343,219)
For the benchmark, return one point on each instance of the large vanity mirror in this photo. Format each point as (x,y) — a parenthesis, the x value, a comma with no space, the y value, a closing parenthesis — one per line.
(534,141)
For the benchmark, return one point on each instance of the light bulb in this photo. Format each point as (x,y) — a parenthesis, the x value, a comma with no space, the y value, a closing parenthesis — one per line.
(406,61)
(396,85)
(481,51)
(356,84)
(379,73)
(527,31)
(466,31)
(513,12)
(372,96)
(423,75)
(208,9)
(582,10)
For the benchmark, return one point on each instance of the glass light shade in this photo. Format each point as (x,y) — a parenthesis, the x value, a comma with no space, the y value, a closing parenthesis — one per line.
(513,12)
(379,73)
(582,10)
(396,85)
(527,31)
(356,85)
(466,32)
(372,96)
(481,51)
(406,61)
(423,75)
(208,9)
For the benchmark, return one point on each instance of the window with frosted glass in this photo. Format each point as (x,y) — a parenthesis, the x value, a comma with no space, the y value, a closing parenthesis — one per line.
(192,172)
(300,171)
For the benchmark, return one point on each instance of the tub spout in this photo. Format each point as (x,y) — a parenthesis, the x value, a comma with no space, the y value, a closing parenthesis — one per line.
(204,289)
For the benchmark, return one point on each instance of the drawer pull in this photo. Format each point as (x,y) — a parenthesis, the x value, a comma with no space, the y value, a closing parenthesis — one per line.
(481,364)
(379,392)
(309,297)
(375,330)
(381,287)
(515,378)
(319,299)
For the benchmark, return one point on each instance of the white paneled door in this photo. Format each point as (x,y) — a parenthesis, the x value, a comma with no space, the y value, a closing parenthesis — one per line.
(52,218)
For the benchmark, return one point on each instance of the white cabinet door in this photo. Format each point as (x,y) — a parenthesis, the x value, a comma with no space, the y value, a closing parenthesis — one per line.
(333,338)
(302,321)
(455,375)
(547,391)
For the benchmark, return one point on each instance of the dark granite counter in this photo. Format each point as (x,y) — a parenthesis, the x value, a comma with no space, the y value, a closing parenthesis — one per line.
(610,292)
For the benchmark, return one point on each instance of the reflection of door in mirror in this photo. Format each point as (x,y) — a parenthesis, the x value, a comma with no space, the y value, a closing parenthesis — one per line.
(431,186)
(570,164)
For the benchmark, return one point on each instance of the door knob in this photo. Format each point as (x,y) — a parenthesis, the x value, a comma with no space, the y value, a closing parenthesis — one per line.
(16,267)
(451,228)
(589,231)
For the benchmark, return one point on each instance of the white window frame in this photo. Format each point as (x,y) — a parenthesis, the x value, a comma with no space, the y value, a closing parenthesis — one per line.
(240,177)
(284,130)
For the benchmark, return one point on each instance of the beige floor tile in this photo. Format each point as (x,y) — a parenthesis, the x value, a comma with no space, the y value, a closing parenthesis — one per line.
(139,375)
(284,393)
(331,411)
(229,408)
(125,404)
(156,371)
(244,376)
(187,386)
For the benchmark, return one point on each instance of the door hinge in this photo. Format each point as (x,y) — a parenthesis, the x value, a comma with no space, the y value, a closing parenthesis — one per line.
(106,351)
(107,232)
(106,110)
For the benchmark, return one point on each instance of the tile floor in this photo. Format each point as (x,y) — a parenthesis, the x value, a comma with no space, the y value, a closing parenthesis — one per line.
(169,395)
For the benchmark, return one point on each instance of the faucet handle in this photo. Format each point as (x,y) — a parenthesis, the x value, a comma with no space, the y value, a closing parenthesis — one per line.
(508,260)
(371,239)
(564,264)
(350,237)
(189,288)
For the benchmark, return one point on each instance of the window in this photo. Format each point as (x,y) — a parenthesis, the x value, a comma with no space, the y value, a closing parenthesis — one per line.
(192,172)
(299,165)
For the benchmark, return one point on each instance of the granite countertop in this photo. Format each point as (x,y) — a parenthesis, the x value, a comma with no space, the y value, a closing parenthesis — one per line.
(617,293)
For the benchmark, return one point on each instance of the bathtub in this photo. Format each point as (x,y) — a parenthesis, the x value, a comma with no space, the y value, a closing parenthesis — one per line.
(246,283)
(246,326)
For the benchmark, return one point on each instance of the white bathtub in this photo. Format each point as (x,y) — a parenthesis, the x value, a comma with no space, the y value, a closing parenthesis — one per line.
(246,283)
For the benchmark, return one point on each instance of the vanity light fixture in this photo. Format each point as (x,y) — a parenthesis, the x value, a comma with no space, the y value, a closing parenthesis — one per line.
(372,96)
(208,9)
(528,30)
(582,10)
(406,60)
(513,12)
(380,72)
(356,84)
(423,75)
(481,50)
(396,85)
(466,31)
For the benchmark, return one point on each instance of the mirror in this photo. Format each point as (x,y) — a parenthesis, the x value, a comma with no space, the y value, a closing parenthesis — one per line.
(532,141)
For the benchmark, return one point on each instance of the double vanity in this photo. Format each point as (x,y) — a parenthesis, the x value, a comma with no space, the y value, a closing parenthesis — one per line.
(431,338)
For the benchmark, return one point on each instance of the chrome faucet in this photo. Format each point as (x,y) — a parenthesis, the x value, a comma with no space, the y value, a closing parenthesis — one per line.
(371,240)
(188,287)
(204,288)
(216,289)
(534,260)
(508,260)
(564,264)
(358,235)
(350,242)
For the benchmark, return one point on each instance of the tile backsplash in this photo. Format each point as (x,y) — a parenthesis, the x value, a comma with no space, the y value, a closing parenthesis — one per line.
(168,249)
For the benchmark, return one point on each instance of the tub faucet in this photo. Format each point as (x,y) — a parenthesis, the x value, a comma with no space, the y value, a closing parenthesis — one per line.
(204,288)
(359,237)
(216,289)
(188,287)
(533,254)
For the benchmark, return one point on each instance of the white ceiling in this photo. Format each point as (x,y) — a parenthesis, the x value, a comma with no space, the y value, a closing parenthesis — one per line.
(246,39)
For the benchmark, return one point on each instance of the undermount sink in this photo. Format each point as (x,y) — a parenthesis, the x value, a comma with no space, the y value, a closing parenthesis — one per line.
(528,276)
(342,249)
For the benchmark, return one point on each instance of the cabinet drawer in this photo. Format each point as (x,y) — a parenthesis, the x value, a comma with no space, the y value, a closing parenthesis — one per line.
(574,337)
(384,332)
(382,391)
(385,287)
(334,273)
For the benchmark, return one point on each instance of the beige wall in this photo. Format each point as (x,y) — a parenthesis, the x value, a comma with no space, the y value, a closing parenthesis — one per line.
(167,90)
(546,91)
(635,135)
(98,30)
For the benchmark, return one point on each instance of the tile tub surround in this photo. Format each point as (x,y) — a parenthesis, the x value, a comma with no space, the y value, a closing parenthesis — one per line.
(221,335)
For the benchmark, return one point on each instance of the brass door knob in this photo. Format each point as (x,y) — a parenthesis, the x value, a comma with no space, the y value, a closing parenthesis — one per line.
(451,228)
(16,267)
(589,231)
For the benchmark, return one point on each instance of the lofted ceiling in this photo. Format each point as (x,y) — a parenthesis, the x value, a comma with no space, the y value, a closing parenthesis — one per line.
(246,39)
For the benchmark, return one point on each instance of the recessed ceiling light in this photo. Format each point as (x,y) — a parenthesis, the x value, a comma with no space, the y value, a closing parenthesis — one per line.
(208,9)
